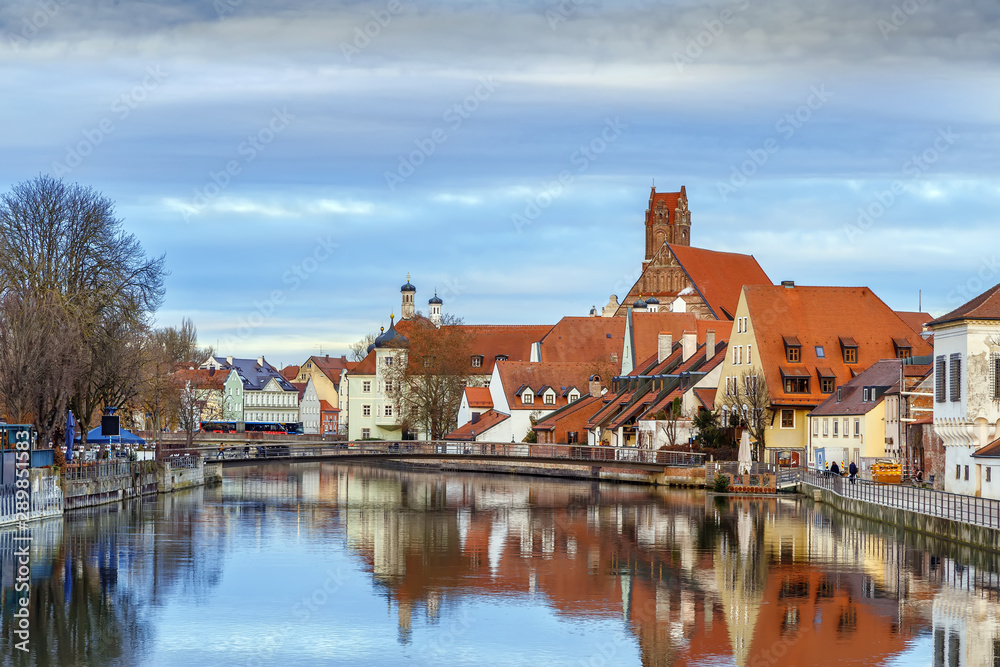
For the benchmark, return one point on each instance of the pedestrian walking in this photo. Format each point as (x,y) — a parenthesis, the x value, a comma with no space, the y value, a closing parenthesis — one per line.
(835,469)
(853,470)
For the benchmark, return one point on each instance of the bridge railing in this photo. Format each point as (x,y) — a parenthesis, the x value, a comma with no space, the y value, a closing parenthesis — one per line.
(955,506)
(451,449)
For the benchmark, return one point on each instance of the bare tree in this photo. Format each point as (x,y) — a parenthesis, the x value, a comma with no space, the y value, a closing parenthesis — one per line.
(427,388)
(62,244)
(748,404)
(40,362)
(672,414)
(359,350)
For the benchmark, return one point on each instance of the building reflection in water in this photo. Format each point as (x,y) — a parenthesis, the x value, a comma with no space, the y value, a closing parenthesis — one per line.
(691,579)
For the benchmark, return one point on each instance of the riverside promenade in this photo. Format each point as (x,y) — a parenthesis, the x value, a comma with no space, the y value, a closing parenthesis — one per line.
(967,519)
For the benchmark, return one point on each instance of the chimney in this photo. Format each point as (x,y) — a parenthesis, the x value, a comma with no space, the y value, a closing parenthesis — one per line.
(595,385)
(343,358)
(229,360)
(709,344)
(664,346)
(788,283)
(260,361)
(689,344)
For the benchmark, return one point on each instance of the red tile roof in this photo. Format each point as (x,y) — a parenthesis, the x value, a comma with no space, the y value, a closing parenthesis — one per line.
(986,306)
(916,320)
(470,431)
(366,366)
(478,397)
(671,199)
(884,373)
(707,397)
(331,367)
(822,316)
(719,276)
(289,372)
(559,375)
(301,387)
(585,403)
(491,340)
(202,379)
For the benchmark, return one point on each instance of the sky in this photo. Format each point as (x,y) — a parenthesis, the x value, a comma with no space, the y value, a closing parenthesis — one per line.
(295,160)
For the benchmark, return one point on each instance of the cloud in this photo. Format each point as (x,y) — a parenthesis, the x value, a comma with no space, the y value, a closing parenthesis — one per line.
(270,209)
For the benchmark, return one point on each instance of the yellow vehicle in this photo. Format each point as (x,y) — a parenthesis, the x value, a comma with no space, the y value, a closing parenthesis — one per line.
(887,472)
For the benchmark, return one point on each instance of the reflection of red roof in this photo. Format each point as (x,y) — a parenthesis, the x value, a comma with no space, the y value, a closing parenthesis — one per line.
(470,431)
(478,397)
(719,276)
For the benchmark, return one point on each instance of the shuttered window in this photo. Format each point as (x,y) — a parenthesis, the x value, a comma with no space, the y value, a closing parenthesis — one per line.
(939,378)
(995,375)
(956,377)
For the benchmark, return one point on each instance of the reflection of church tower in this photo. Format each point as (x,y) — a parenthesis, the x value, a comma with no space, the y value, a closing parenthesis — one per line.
(404,623)
(434,306)
(668,220)
(408,291)
(740,579)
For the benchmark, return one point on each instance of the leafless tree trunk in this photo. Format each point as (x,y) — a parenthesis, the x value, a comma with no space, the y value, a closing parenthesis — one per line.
(750,402)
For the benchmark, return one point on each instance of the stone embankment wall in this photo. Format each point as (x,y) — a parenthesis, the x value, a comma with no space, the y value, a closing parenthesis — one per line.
(90,492)
(977,536)
(670,476)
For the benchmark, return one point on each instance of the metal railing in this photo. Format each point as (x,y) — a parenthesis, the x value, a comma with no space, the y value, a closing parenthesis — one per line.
(955,506)
(46,500)
(184,461)
(104,469)
(499,450)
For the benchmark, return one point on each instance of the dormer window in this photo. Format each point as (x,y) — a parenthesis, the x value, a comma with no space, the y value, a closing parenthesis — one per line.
(477,361)
(502,357)
(793,349)
(550,397)
(574,396)
(527,397)
(903,348)
(850,349)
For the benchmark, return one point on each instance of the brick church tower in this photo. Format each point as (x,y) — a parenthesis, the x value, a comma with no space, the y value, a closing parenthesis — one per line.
(668,220)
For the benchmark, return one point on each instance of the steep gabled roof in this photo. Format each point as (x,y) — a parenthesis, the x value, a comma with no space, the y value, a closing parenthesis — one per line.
(584,403)
(289,372)
(478,397)
(828,317)
(366,366)
(517,375)
(916,320)
(719,276)
(986,306)
(489,341)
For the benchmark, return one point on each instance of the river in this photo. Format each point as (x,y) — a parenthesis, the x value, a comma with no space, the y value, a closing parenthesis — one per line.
(314,564)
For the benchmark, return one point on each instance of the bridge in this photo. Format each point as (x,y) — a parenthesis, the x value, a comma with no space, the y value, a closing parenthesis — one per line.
(244,451)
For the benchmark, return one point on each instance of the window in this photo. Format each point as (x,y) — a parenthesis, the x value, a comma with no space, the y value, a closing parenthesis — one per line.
(788,419)
(835,422)
(749,354)
(793,354)
(366,411)
(865,399)
(995,375)
(797,385)
(988,478)
(502,357)
(366,386)
(826,385)
(815,427)
(826,427)
(388,411)
(366,433)
(940,380)
(955,386)
(966,473)
(850,355)
(903,353)
(477,361)
(388,361)
(820,352)
(573,396)
(527,398)
(958,472)
(735,357)
(550,398)
(749,383)
(847,427)
(388,385)
(857,428)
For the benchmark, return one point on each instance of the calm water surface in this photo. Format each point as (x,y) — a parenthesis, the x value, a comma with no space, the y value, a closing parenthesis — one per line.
(313,564)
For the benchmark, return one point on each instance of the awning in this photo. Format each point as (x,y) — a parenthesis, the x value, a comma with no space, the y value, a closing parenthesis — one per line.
(824,372)
(793,372)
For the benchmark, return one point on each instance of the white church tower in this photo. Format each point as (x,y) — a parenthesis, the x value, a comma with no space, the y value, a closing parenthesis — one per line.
(408,291)
(434,307)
